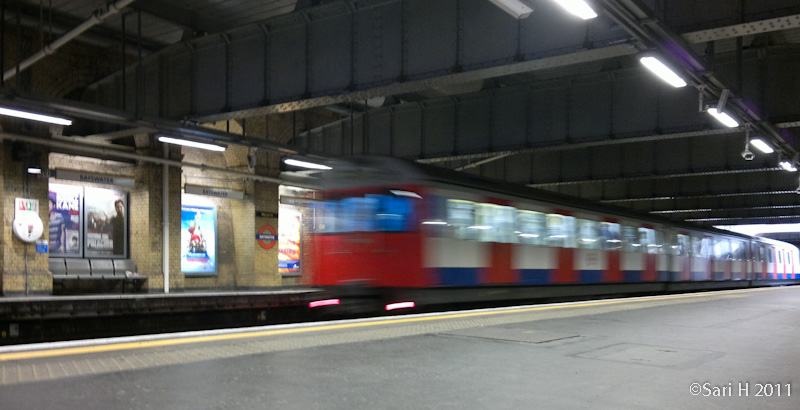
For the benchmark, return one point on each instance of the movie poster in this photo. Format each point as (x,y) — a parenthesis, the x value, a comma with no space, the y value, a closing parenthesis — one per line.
(65,204)
(289,229)
(106,223)
(198,239)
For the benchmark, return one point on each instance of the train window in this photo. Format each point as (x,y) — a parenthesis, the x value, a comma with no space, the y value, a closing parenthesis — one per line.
(610,236)
(701,247)
(391,213)
(769,255)
(531,227)
(505,222)
(722,249)
(588,236)
(630,239)
(327,217)
(683,245)
(780,255)
(372,213)
(461,219)
(661,242)
(356,215)
(560,231)
(495,223)
(737,250)
(648,241)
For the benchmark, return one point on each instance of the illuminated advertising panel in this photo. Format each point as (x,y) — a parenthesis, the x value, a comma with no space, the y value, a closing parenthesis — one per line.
(289,229)
(64,231)
(106,223)
(198,239)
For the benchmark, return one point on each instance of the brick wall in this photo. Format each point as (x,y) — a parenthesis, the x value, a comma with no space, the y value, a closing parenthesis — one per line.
(23,270)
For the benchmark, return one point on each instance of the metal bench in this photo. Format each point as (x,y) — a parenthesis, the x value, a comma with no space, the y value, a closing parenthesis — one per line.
(128,270)
(72,275)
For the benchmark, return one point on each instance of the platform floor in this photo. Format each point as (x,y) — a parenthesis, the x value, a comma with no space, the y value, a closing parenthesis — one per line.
(715,350)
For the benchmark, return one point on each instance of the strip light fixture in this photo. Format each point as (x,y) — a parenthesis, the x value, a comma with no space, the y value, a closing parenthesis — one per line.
(515,8)
(304,164)
(36,117)
(193,144)
(577,8)
(761,145)
(723,118)
(662,71)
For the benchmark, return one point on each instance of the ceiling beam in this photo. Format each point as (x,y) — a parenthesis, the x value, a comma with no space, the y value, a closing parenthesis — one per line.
(188,19)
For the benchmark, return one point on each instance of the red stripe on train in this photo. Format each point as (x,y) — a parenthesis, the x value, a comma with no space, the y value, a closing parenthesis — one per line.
(565,272)
(500,269)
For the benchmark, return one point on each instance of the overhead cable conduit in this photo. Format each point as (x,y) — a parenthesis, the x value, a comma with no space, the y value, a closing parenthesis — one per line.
(97,18)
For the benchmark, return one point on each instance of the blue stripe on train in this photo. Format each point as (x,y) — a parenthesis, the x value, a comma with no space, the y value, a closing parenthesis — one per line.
(663,275)
(699,275)
(591,276)
(458,276)
(534,276)
(632,275)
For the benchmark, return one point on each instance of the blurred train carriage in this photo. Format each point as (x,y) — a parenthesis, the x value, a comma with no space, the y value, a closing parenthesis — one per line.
(413,234)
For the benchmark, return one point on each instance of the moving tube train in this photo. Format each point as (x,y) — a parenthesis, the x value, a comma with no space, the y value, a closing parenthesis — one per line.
(402,234)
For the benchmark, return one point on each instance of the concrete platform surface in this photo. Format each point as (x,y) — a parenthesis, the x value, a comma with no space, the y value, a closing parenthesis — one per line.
(719,350)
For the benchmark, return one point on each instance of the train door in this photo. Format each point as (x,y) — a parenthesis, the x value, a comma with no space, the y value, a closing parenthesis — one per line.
(701,258)
(739,260)
(760,266)
(611,244)
(632,255)
(772,264)
(780,263)
(652,242)
(722,258)
(681,259)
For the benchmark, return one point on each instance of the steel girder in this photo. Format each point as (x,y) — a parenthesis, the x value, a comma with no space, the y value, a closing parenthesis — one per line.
(351,51)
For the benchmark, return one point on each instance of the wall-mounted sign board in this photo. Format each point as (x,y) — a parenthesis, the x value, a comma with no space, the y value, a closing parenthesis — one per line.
(217,192)
(93,178)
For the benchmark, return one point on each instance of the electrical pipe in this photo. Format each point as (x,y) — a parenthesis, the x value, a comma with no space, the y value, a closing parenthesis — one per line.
(96,18)
(71,146)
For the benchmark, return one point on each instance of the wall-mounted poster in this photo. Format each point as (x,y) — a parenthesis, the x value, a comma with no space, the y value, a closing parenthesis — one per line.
(289,229)
(198,239)
(106,223)
(65,204)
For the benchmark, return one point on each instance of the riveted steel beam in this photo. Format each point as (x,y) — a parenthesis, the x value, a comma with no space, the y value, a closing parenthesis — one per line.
(744,29)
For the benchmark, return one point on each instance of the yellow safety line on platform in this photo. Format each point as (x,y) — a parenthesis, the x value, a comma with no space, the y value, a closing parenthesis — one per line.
(37,354)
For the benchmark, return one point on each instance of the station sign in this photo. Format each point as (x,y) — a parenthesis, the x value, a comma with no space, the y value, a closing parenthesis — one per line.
(299,202)
(93,178)
(266,214)
(216,192)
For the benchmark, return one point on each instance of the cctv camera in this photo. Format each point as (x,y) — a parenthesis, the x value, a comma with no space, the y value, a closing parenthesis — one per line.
(748,155)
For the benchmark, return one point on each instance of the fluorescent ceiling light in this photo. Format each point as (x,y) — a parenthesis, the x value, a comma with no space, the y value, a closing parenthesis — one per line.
(304,164)
(761,145)
(35,117)
(193,144)
(34,170)
(578,8)
(515,8)
(788,166)
(662,71)
(723,118)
